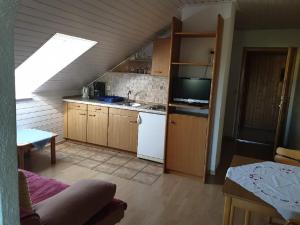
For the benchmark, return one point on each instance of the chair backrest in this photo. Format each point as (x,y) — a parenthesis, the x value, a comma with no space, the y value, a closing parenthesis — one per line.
(287,156)
(291,157)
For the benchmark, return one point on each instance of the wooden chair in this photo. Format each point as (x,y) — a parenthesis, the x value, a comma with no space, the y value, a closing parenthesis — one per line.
(290,157)
(287,156)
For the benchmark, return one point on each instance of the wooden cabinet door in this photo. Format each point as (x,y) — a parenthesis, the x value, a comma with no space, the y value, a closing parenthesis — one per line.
(133,134)
(186,144)
(97,124)
(77,121)
(161,57)
(122,132)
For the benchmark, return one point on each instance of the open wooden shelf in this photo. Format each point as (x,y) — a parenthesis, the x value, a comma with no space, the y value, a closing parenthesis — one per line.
(188,106)
(191,64)
(196,35)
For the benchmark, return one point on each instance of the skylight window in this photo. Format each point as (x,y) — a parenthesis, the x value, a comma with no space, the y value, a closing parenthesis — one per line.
(57,53)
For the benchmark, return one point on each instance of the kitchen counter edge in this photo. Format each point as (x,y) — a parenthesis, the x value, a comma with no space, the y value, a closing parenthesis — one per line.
(113,105)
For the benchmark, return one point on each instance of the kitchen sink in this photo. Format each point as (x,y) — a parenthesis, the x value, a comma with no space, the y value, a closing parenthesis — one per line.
(132,104)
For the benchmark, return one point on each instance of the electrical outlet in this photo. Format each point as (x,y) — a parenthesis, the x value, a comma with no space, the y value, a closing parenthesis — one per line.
(107,87)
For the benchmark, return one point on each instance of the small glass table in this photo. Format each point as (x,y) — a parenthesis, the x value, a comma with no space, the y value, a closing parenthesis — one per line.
(30,138)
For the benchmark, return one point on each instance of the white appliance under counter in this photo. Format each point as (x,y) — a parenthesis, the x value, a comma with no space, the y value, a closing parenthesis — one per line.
(151,136)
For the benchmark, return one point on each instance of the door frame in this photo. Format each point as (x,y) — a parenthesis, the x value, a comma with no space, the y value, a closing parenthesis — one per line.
(286,86)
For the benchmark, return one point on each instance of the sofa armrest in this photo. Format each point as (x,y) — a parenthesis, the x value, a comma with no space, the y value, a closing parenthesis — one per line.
(76,204)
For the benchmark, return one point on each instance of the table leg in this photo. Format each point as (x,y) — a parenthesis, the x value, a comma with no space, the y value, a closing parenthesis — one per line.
(53,156)
(231,217)
(247,217)
(21,157)
(227,210)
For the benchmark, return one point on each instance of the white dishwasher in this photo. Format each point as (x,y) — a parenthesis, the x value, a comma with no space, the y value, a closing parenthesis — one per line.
(151,136)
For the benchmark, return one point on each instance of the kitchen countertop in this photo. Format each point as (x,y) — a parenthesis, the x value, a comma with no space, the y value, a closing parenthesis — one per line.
(142,108)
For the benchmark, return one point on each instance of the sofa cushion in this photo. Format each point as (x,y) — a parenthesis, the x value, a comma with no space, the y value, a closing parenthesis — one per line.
(76,204)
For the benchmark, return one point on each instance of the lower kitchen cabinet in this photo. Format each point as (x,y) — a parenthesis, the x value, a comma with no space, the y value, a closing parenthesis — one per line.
(186,144)
(77,124)
(97,125)
(100,125)
(123,129)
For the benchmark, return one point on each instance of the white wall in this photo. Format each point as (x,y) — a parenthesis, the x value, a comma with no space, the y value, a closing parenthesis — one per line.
(204,18)
(44,111)
(264,38)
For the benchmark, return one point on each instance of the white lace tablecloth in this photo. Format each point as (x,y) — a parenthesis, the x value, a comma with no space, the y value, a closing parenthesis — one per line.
(276,184)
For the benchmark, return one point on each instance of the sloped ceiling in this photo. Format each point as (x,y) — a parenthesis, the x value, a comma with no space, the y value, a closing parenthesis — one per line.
(120,27)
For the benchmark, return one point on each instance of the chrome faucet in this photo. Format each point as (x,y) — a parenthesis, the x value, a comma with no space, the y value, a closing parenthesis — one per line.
(128,94)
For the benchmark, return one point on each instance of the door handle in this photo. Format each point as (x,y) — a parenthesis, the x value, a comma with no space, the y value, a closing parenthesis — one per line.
(82,114)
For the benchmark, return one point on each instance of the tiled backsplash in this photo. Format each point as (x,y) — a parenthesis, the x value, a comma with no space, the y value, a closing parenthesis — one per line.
(144,87)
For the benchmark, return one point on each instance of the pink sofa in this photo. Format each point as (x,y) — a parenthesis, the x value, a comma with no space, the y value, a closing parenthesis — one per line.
(87,202)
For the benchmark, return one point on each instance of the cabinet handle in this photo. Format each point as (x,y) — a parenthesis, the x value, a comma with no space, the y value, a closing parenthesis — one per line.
(139,120)
(157,71)
(132,121)
(92,115)
(172,122)
(98,109)
(82,114)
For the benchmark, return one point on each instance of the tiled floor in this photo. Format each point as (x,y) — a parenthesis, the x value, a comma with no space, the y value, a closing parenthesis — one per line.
(109,161)
(153,198)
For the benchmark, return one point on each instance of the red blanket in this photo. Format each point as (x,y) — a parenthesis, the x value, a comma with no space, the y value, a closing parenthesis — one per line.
(41,188)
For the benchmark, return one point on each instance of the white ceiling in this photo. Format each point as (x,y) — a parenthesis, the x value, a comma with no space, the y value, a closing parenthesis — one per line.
(120,27)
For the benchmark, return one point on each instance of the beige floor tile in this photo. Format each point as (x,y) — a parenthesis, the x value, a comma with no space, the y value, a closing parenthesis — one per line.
(73,159)
(136,164)
(101,156)
(60,155)
(112,152)
(89,163)
(145,178)
(75,173)
(126,172)
(125,155)
(156,170)
(70,151)
(106,168)
(117,160)
(85,154)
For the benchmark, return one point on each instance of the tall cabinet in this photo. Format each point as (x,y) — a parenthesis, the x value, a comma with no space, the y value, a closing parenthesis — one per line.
(189,130)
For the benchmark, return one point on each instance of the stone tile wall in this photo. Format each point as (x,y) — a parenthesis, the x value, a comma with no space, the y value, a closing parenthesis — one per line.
(144,87)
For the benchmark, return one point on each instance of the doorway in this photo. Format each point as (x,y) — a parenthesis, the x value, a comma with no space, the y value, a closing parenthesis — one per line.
(264,95)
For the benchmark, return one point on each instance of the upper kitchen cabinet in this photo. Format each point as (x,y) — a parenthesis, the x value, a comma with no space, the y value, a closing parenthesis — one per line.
(154,59)
(161,57)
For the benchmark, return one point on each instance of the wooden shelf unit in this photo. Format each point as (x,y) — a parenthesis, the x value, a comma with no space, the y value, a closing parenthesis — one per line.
(188,106)
(173,133)
(196,35)
(191,64)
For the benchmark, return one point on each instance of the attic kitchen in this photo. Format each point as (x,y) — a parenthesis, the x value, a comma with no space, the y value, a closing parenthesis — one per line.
(158,104)
(126,106)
